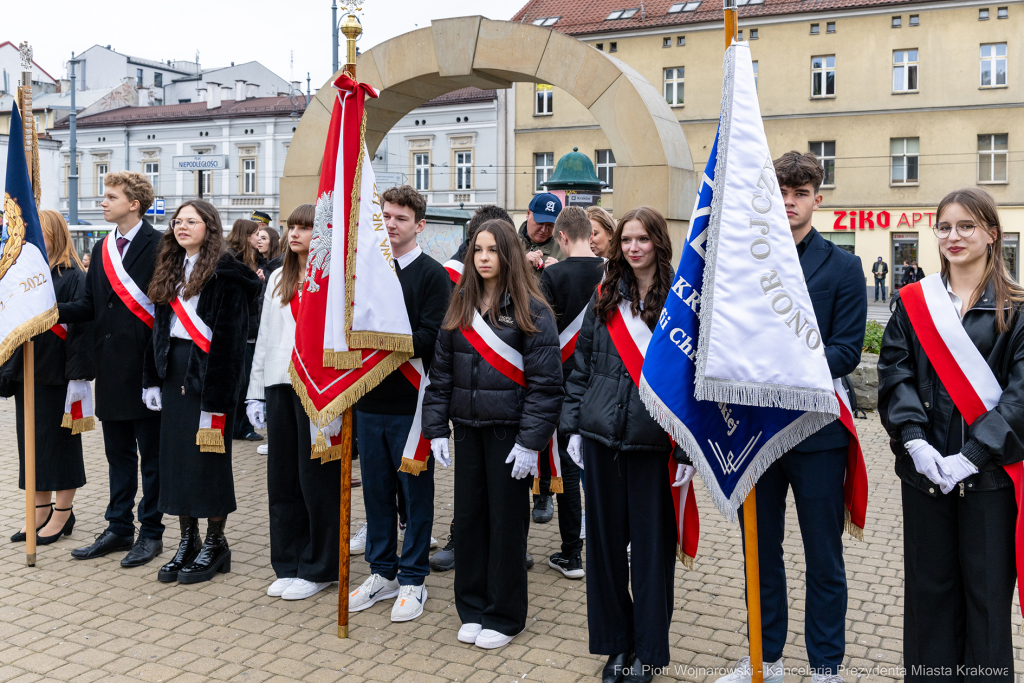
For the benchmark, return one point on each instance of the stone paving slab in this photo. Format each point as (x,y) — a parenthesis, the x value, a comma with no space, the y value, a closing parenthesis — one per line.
(66,620)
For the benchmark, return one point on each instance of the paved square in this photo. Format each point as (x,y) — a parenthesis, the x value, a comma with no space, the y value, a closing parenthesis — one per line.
(66,620)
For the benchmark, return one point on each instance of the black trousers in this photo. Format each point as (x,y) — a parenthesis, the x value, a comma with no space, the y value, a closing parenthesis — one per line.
(242,427)
(629,500)
(131,445)
(304,494)
(960,573)
(570,503)
(492,518)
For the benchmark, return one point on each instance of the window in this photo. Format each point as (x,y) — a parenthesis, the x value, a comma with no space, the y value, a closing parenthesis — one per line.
(249,176)
(753,34)
(138,78)
(622,14)
(993,157)
(206,178)
(739,34)
(421,166)
(151,169)
(545,100)
(904,71)
(826,153)
(680,41)
(814,29)
(755,76)
(993,65)
(897,22)
(543,167)
(613,47)
(101,172)
(683,7)
(915,20)
(823,76)
(605,166)
(1003,13)
(666,42)
(158,79)
(600,46)
(463,170)
(904,153)
(830,27)
(674,86)
(983,15)
(545,21)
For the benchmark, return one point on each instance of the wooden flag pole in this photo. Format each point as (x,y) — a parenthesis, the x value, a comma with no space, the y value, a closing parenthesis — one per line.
(30,453)
(753,587)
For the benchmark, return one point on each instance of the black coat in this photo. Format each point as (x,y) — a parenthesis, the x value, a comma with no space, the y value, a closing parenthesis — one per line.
(914,404)
(56,361)
(224,307)
(467,390)
(255,307)
(119,337)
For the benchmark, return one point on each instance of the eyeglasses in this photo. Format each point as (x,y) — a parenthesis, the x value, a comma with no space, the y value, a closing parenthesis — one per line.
(963,228)
(191,223)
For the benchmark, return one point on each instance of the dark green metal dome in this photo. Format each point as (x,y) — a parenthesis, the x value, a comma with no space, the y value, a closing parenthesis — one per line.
(575,171)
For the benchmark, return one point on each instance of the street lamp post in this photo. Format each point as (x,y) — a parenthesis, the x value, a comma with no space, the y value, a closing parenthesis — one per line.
(334,36)
(73,170)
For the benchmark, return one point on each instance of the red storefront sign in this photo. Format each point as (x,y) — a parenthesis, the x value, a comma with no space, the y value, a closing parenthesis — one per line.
(869,220)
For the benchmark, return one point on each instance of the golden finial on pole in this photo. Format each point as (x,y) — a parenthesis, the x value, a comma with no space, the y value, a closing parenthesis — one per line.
(351,28)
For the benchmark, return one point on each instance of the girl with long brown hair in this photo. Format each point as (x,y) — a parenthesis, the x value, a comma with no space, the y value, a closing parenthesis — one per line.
(243,243)
(201,294)
(268,244)
(957,430)
(497,375)
(625,454)
(63,369)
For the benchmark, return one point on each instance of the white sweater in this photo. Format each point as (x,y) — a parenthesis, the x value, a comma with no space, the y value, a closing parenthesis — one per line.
(274,343)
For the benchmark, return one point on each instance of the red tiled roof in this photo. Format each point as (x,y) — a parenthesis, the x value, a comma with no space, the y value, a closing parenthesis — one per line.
(190,111)
(462,96)
(579,17)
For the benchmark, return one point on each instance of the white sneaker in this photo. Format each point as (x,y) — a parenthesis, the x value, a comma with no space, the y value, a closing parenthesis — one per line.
(469,632)
(277,588)
(373,590)
(300,589)
(263,449)
(773,672)
(826,678)
(409,604)
(358,542)
(490,640)
(583,525)
(401,536)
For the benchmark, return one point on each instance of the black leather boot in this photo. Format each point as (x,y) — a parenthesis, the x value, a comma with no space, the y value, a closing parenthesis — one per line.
(214,556)
(188,548)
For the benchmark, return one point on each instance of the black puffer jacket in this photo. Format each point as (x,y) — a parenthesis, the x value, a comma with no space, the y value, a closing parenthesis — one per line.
(914,404)
(601,401)
(467,390)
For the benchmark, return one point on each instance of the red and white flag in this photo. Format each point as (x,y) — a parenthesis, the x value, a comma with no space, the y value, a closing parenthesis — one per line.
(855,488)
(454,269)
(78,414)
(417,448)
(350,331)
(210,438)
(325,441)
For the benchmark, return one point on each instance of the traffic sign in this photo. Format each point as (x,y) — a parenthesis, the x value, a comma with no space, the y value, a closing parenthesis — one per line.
(200,162)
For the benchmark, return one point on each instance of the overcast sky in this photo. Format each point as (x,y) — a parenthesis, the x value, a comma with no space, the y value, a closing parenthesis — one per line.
(275,33)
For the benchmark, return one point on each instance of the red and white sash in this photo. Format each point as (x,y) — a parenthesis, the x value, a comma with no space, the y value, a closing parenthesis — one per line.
(125,288)
(325,446)
(210,437)
(60,330)
(631,336)
(962,370)
(417,448)
(492,349)
(199,331)
(78,415)
(855,488)
(567,337)
(454,269)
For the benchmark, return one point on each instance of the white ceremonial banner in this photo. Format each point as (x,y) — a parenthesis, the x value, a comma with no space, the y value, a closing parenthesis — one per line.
(759,343)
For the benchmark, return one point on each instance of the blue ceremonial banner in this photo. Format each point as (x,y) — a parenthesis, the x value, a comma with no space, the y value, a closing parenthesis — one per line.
(27,302)
(732,443)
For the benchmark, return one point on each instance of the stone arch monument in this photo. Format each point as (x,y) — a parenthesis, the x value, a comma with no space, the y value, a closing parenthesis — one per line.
(653,164)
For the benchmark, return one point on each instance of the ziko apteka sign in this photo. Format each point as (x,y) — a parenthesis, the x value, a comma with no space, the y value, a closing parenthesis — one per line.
(200,162)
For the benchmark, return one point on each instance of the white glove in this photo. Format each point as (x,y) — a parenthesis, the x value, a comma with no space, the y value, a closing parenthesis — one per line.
(151,397)
(959,469)
(927,460)
(439,447)
(575,449)
(525,462)
(78,389)
(256,411)
(684,473)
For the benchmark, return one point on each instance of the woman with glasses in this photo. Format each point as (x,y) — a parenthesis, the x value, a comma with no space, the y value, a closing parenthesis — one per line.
(192,371)
(951,396)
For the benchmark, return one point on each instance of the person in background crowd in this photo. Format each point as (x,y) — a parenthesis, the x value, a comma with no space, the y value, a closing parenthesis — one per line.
(625,452)
(202,294)
(909,274)
(483,213)
(86,260)
(242,243)
(386,418)
(63,369)
(536,232)
(268,244)
(880,269)
(270,258)
(959,507)
(504,415)
(918,271)
(303,493)
(603,230)
(121,334)
(568,287)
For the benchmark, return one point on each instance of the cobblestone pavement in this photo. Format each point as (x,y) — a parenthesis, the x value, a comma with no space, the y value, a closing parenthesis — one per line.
(94,621)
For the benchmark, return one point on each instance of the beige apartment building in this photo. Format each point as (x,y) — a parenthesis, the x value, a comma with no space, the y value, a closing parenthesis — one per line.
(902,101)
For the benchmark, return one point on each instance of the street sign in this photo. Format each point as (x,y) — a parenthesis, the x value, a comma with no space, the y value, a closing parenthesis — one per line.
(157,209)
(200,162)
(386,181)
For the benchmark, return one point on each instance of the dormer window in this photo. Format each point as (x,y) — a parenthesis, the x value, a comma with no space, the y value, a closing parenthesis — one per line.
(622,13)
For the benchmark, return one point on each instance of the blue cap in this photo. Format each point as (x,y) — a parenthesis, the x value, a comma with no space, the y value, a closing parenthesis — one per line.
(545,207)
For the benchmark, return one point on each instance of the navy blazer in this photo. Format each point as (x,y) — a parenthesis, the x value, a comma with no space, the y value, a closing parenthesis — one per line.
(835,282)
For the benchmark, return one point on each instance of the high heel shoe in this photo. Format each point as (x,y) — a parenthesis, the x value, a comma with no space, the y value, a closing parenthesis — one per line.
(69,526)
(188,549)
(20,536)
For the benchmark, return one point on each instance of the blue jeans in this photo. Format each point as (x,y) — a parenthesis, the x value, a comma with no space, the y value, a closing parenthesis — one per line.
(381,442)
(880,283)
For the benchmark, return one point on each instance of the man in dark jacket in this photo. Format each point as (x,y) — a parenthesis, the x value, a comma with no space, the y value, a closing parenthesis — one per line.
(537,232)
(816,467)
(131,433)
(880,270)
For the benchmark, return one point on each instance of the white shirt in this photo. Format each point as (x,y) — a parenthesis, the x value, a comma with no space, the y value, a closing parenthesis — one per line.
(130,236)
(406,259)
(178,330)
(273,352)
(958,303)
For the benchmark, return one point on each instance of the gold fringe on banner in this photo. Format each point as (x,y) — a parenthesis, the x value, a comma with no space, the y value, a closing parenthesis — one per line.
(66,422)
(349,396)
(85,424)
(388,341)
(321,444)
(353,237)
(413,467)
(684,558)
(331,454)
(556,486)
(210,440)
(25,331)
(343,360)
(852,529)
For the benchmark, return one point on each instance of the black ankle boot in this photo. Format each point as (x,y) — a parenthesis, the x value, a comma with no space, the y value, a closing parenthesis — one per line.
(188,548)
(214,556)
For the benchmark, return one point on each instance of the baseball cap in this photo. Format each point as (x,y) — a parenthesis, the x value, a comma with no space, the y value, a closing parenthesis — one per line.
(545,207)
